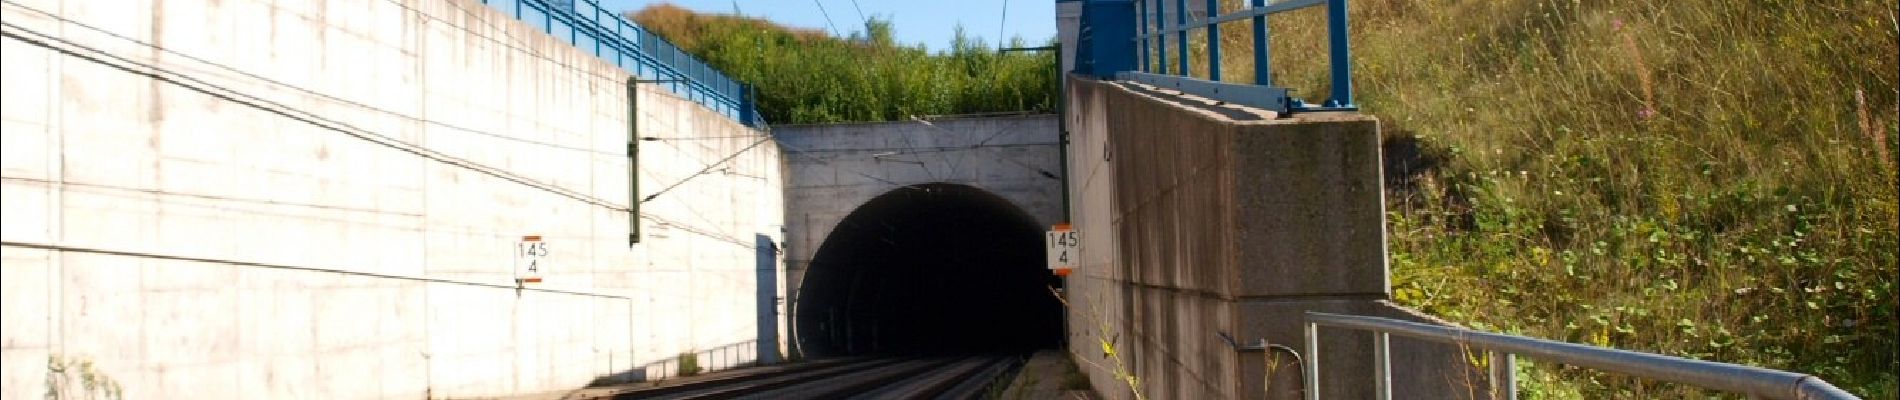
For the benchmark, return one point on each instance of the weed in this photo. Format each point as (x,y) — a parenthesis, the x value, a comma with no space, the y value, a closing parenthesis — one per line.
(1108,343)
(63,372)
(689,364)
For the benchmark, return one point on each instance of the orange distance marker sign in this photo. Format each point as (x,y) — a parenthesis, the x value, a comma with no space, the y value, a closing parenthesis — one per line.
(1061,244)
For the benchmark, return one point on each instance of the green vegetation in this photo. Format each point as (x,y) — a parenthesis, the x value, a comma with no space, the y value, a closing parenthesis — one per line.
(1694,177)
(689,364)
(63,372)
(805,76)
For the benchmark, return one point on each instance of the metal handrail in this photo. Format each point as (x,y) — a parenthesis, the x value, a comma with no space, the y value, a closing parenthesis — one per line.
(1339,52)
(1753,381)
(605,34)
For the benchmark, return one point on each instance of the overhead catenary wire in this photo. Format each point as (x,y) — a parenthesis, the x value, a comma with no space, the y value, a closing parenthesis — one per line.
(194,84)
(708,167)
(658,139)
(301,89)
(512,46)
(175,78)
(799,151)
(1002,24)
(821,11)
(861,18)
(529,52)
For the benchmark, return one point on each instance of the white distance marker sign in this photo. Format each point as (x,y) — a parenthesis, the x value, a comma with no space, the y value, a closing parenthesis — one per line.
(530,259)
(1061,244)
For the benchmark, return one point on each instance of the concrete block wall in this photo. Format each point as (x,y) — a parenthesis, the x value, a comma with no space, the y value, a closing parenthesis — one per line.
(292,199)
(1200,220)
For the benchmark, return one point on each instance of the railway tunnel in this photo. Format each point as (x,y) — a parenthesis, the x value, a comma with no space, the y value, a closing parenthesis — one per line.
(930,269)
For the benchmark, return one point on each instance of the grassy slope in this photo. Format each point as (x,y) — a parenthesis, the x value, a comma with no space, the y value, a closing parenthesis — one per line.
(806,76)
(1692,177)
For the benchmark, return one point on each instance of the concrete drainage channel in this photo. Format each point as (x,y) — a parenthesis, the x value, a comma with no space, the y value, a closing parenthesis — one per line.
(937,378)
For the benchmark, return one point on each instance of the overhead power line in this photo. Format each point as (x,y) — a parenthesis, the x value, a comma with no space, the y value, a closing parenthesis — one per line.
(821,11)
(194,84)
(178,79)
(1002,24)
(861,18)
(709,167)
(301,89)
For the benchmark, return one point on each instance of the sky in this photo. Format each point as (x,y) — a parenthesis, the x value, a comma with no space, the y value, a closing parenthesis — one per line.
(930,22)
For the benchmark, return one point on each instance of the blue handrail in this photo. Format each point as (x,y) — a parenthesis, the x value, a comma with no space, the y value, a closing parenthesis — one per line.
(614,39)
(1339,52)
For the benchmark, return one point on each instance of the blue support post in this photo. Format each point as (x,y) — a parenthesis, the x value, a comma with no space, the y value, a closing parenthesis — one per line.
(745,108)
(1181,19)
(1142,20)
(1213,41)
(1262,68)
(1105,39)
(1161,42)
(1341,54)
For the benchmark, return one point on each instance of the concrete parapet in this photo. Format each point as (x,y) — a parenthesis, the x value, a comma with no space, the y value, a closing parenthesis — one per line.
(1201,220)
(1311,216)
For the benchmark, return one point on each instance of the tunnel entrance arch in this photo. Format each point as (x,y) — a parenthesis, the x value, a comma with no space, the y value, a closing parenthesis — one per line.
(929,269)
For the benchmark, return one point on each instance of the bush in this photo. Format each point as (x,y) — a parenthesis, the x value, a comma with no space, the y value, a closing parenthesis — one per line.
(689,364)
(805,76)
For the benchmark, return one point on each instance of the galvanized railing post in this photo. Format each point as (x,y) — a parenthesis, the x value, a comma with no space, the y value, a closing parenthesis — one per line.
(1382,366)
(1341,54)
(1161,42)
(1142,21)
(1213,41)
(1262,71)
(1504,376)
(1312,361)
(1180,33)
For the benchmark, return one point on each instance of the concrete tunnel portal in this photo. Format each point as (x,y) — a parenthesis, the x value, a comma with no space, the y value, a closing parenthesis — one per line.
(929,269)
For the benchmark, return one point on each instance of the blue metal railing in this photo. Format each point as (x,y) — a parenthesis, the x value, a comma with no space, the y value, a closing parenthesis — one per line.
(1265,94)
(605,34)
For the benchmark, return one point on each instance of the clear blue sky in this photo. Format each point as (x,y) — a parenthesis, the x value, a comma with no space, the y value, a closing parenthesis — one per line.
(931,22)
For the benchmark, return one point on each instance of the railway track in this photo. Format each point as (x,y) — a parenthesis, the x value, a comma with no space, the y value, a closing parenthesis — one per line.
(902,378)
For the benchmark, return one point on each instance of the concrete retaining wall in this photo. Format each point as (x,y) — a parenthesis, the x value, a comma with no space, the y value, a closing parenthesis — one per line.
(293,199)
(1199,220)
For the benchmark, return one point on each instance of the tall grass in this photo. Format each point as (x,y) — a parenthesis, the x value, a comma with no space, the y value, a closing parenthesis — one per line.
(1703,178)
(806,76)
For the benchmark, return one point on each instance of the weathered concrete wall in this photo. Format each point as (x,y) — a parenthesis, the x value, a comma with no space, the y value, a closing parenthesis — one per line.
(346,228)
(835,168)
(1199,220)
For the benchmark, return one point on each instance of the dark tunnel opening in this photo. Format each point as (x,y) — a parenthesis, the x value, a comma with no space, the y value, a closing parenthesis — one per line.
(930,269)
